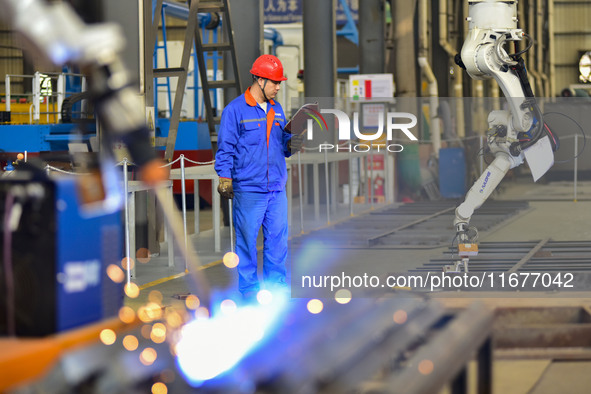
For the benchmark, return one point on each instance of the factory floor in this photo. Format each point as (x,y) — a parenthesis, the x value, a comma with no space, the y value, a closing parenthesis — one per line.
(552,213)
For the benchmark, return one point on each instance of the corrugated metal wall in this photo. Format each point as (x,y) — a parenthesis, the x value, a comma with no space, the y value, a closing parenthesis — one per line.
(11,59)
(572,37)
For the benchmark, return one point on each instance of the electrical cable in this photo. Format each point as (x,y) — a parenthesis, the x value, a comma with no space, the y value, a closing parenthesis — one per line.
(482,152)
(538,134)
(530,43)
(556,142)
(580,129)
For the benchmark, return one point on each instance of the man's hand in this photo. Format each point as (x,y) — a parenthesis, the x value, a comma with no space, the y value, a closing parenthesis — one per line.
(225,188)
(294,145)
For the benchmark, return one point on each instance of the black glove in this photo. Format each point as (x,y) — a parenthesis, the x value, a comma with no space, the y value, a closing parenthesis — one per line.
(225,188)
(294,145)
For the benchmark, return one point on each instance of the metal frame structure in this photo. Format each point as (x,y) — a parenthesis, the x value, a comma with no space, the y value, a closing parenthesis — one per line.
(222,7)
(192,37)
(178,11)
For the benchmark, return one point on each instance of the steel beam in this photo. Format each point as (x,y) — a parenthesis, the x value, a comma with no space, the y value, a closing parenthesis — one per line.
(372,55)
(319,48)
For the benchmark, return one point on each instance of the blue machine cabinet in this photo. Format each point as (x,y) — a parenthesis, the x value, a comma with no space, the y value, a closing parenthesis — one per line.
(452,172)
(58,258)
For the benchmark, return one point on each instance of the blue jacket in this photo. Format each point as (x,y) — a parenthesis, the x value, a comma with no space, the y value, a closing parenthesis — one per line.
(252,145)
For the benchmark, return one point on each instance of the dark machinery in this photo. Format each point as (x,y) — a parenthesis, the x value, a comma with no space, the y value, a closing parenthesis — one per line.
(391,344)
(55,252)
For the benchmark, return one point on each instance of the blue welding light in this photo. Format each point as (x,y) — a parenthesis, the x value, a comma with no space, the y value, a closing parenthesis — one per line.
(210,347)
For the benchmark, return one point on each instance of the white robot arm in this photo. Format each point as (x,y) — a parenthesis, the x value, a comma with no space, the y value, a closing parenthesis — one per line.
(54,33)
(492,24)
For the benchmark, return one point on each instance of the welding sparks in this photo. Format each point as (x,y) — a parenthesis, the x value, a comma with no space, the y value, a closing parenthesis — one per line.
(209,347)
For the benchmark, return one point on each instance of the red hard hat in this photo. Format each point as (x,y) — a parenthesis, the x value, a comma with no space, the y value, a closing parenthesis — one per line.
(269,67)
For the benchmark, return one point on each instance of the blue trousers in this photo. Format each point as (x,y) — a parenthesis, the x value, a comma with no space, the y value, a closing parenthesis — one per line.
(251,210)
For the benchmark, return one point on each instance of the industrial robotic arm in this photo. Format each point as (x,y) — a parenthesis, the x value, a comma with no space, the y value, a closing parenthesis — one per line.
(512,133)
(55,34)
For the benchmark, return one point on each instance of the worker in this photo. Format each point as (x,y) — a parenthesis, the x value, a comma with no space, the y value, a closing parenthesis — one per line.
(250,163)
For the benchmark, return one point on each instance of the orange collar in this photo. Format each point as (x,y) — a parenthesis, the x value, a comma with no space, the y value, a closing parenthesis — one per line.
(250,99)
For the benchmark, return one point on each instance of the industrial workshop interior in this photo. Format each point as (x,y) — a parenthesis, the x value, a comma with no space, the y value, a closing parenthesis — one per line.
(417,221)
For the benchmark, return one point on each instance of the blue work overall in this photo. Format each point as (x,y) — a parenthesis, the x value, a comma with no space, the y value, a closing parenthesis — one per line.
(252,146)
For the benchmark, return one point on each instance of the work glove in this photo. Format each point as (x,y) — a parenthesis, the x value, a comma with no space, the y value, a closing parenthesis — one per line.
(225,188)
(294,145)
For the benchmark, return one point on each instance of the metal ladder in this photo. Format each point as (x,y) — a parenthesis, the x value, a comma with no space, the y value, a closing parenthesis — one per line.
(223,8)
(164,47)
(193,35)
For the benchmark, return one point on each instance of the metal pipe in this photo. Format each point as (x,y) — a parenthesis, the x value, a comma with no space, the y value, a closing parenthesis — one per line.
(132,234)
(199,284)
(349,30)
(216,215)
(196,226)
(334,183)
(429,76)
(181,11)
(327,186)
(401,50)
(289,195)
(301,193)
(371,37)
(350,179)
(315,175)
(272,34)
(433,103)
(457,70)
(127,238)
(531,69)
(61,94)
(83,103)
(319,48)
(443,33)
(247,19)
(371,178)
(539,52)
(576,164)
(231,215)
(7,94)
(552,61)
(36,96)
(537,49)
(167,230)
(423,29)
(184,203)
(387,194)
(365,173)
